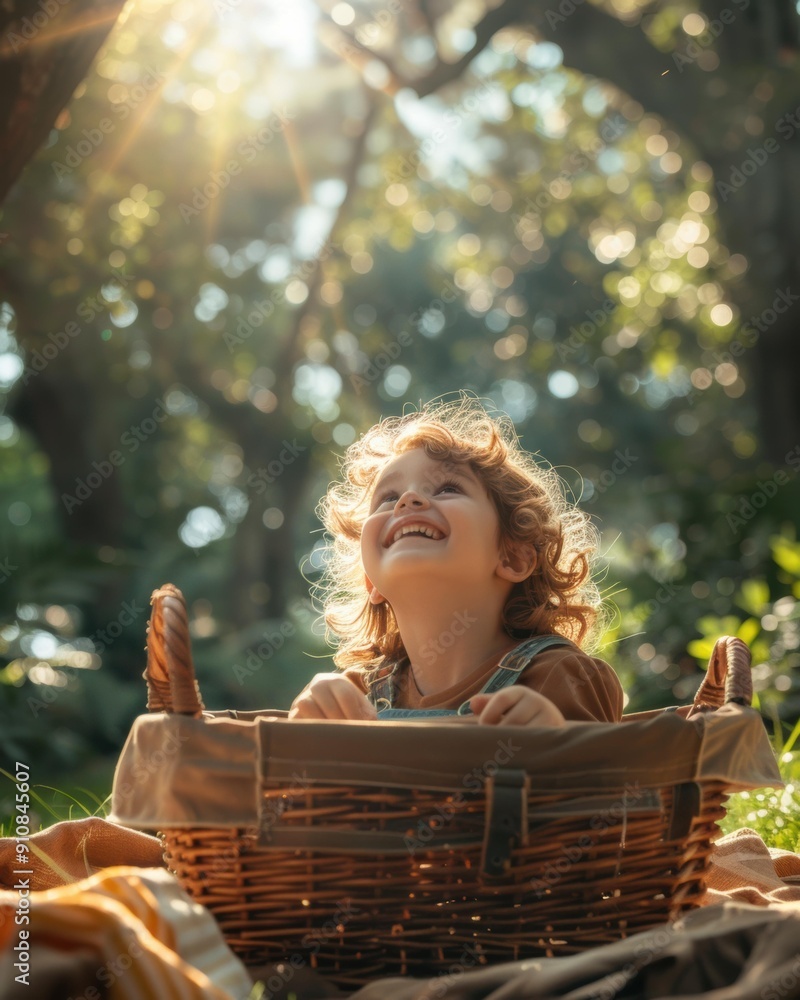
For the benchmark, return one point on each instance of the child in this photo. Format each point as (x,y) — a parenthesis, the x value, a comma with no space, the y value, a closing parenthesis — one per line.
(458,581)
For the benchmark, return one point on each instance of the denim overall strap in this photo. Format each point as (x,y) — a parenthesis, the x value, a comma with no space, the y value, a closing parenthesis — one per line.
(382,688)
(382,692)
(509,671)
(515,663)
(517,660)
(414,713)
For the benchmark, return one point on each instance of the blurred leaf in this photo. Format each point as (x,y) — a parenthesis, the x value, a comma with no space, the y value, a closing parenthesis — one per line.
(713,628)
(787,555)
(748,630)
(753,595)
(701,649)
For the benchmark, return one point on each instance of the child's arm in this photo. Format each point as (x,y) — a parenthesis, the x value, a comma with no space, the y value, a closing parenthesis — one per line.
(332,696)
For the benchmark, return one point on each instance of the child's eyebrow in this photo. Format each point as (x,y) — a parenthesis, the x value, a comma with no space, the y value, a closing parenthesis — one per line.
(462,470)
(386,481)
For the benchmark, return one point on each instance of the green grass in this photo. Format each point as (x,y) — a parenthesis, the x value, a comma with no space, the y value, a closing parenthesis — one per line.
(50,805)
(774,813)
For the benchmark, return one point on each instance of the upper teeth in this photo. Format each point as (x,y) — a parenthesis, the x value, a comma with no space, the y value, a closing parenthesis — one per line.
(411,528)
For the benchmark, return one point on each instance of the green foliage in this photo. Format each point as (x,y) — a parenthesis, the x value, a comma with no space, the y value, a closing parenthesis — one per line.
(772,633)
(774,814)
(50,805)
(771,630)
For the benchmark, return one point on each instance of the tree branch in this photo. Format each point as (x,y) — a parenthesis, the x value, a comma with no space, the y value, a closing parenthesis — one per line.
(350,48)
(508,12)
(291,349)
(594,43)
(600,45)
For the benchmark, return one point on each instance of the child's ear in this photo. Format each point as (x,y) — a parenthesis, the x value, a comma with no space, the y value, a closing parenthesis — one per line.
(375,596)
(517,562)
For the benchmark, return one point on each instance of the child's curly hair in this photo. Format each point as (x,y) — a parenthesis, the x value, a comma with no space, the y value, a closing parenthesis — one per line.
(559,595)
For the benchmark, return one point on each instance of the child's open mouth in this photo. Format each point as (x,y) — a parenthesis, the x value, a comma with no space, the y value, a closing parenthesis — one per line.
(414,530)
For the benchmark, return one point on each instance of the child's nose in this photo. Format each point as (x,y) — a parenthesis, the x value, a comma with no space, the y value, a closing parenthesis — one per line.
(411,499)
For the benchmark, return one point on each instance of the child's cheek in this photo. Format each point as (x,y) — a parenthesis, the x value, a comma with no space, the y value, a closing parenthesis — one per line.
(370,544)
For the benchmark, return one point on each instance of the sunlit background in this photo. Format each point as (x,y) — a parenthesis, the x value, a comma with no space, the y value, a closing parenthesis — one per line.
(248,231)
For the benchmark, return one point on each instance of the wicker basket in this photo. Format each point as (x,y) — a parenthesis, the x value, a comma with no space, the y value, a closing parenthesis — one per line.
(368,849)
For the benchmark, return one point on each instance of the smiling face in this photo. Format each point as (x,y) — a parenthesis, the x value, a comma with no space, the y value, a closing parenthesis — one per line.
(433,517)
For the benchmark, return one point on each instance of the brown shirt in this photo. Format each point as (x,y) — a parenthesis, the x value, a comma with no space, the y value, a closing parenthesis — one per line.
(583,687)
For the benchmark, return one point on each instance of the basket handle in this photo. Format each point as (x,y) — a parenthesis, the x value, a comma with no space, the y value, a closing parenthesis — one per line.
(171,684)
(728,678)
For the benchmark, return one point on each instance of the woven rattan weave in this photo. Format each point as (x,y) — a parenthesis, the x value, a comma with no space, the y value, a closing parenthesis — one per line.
(373,849)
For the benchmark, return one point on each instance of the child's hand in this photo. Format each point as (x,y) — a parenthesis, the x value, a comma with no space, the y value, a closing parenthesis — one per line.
(332,696)
(516,706)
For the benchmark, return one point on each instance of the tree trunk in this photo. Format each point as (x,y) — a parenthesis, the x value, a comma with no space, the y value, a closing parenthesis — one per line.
(60,413)
(45,52)
(278,472)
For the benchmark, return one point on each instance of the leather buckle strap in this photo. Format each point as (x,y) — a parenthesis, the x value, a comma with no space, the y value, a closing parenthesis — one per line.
(506,819)
(687,800)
